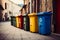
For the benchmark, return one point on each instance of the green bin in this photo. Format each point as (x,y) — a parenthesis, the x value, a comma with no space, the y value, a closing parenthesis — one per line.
(26,22)
(11,20)
(14,21)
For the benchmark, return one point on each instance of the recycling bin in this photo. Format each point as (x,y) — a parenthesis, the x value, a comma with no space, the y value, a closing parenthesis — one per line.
(33,22)
(26,22)
(14,21)
(11,20)
(44,22)
(17,21)
(20,22)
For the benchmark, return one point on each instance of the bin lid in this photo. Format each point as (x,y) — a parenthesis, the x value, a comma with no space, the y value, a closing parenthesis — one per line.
(45,13)
(24,15)
(13,16)
(20,15)
(32,14)
(17,16)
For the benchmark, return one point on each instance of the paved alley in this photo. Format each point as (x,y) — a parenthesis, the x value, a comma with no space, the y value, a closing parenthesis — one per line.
(8,32)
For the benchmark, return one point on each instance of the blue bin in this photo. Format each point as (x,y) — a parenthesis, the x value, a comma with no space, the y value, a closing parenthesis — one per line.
(44,22)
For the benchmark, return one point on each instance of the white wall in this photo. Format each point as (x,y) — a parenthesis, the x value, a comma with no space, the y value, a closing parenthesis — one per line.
(10,7)
(14,8)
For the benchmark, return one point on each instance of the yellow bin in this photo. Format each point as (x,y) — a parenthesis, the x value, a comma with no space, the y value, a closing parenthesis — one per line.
(33,22)
(17,22)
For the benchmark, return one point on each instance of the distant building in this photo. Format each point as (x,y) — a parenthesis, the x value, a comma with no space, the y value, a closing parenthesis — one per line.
(1,10)
(10,8)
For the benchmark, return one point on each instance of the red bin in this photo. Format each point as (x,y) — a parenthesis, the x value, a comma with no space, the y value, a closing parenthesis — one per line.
(21,22)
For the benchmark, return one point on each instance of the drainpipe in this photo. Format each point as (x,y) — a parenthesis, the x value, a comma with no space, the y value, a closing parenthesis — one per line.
(30,6)
(46,5)
(36,6)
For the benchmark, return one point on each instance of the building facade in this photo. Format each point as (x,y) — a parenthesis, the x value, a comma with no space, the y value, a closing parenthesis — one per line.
(10,9)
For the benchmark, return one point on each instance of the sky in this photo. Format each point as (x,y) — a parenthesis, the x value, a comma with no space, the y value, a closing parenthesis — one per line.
(18,1)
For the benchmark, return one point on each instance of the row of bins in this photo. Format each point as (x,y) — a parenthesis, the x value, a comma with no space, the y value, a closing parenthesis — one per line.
(40,22)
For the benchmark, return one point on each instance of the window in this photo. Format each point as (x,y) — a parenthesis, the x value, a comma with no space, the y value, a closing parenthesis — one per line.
(5,5)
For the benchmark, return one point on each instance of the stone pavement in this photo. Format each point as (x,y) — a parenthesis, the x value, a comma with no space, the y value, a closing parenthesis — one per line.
(8,32)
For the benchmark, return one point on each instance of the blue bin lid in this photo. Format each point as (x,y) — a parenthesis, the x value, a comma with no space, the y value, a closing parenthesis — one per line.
(44,13)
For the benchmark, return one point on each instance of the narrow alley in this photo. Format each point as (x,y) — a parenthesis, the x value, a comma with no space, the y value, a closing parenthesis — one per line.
(29,20)
(8,32)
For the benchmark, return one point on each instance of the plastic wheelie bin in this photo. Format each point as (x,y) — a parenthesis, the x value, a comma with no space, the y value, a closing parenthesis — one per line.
(11,20)
(17,21)
(44,22)
(20,22)
(26,22)
(33,22)
(14,21)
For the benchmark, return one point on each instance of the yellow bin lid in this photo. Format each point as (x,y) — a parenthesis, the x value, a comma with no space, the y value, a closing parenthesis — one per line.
(32,14)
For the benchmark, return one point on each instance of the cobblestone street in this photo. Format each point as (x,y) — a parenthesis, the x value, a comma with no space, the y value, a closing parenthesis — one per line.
(8,32)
